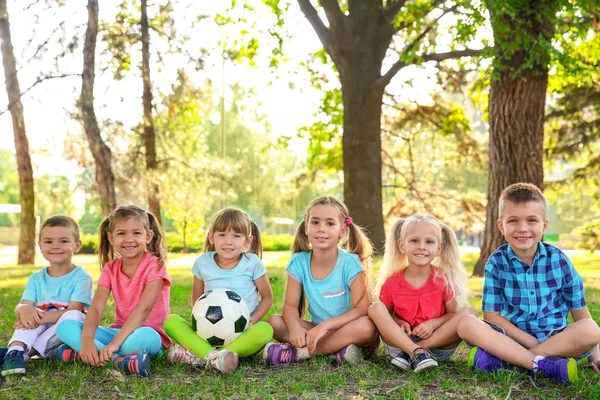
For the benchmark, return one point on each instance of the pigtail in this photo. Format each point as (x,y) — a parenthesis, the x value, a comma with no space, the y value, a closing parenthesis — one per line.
(452,267)
(158,244)
(256,246)
(105,249)
(301,243)
(359,244)
(393,259)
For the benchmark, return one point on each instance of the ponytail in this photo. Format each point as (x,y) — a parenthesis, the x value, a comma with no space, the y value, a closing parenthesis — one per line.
(452,266)
(158,244)
(256,246)
(105,249)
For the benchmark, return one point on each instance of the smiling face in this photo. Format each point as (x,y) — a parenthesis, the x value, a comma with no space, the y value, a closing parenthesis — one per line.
(129,238)
(58,245)
(421,243)
(523,225)
(229,246)
(324,227)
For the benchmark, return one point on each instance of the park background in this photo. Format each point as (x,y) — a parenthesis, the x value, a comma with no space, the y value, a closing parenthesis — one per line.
(394,106)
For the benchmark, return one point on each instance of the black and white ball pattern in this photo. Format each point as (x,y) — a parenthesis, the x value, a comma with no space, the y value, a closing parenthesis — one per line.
(220,316)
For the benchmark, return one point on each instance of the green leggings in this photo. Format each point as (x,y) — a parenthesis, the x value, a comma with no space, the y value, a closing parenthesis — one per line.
(249,342)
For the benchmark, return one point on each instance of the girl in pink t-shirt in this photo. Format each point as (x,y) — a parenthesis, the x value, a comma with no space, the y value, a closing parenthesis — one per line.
(419,301)
(132,250)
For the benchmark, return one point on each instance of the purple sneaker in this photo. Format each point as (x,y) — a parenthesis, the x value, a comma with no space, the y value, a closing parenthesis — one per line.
(481,360)
(275,354)
(562,370)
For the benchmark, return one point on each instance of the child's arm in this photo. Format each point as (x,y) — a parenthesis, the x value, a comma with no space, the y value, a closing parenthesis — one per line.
(593,359)
(266,299)
(28,315)
(291,316)
(135,320)
(89,352)
(426,328)
(197,289)
(525,339)
(360,307)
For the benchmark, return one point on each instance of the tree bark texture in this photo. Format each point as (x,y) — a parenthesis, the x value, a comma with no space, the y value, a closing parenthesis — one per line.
(149,131)
(105,179)
(516,113)
(26,191)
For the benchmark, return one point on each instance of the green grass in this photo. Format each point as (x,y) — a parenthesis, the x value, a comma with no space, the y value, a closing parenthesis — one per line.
(316,378)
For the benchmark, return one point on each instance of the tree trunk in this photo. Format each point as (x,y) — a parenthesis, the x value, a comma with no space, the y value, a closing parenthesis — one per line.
(517,101)
(361,142)
(26,193)
(105,179)
(149,132)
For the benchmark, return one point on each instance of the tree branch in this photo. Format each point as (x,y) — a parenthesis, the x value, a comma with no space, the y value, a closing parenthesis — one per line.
(453,54)
(37,82)
(313,17)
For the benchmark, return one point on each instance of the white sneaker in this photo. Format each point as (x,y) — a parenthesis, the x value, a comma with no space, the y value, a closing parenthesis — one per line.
(352,354)
(224,361)
(179,355)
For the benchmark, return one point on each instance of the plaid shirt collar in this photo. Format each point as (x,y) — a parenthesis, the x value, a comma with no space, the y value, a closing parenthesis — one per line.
(540,252)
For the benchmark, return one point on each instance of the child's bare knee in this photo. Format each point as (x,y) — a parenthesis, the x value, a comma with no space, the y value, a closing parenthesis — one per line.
(463,312)
(275,320)
(376,309)
(589,329)
(365,328)
(466,325)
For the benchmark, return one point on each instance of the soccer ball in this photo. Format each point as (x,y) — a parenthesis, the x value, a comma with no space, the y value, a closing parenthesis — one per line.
(220,316)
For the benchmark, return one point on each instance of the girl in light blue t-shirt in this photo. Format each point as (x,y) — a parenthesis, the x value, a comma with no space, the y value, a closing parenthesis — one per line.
(334,281)
(231,260)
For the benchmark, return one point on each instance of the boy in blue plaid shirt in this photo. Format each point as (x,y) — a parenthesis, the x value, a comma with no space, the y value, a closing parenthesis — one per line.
(530,287)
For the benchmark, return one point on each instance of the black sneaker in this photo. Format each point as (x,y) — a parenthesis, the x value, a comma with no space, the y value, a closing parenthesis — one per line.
(402,361)
(423,360)
(13,363)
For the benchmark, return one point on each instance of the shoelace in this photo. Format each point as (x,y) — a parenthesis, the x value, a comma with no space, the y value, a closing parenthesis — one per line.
(549,369)
(11,357)
(133,365)
(285,355)
(422,350)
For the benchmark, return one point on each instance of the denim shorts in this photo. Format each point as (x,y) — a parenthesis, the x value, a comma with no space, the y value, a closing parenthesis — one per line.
(552,333)
(440,354)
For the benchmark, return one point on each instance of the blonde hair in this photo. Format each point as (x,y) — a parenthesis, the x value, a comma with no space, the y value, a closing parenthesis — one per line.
(450,267)
(355,241)
(238,221)
(157,246)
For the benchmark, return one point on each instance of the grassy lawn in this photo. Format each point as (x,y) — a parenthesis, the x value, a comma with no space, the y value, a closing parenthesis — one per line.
(316,378)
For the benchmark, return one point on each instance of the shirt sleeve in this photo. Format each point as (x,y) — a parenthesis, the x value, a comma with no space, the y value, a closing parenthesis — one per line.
(258,269)
(30,292)
(105,275)
(491,300)
(352,268)
(83,291)
(385,295)
(155,273)
(573,290)
(294,268)
(196,268)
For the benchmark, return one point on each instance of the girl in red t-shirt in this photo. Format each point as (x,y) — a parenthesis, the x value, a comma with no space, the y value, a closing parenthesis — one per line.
(418,307)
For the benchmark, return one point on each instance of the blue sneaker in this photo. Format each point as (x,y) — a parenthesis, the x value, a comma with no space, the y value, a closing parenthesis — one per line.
(481,360)
(562,370)
(422,360)
(402,361)
(66,354)
(138,364)
(13,363)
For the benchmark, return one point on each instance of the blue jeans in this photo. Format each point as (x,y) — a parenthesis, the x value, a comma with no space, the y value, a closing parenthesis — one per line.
(142,340)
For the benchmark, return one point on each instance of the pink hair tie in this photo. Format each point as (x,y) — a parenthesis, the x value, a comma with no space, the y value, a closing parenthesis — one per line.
(348,221)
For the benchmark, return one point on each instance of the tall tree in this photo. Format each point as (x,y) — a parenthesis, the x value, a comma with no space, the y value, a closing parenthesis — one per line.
(149,131)
(26,192)
(523,32)
(105,179)
(357,38)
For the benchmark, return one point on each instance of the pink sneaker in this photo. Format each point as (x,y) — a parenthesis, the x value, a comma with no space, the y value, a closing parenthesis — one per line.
(179,355)
(224,361)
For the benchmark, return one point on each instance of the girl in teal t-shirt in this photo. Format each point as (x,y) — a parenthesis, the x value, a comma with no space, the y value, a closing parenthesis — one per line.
(334,281)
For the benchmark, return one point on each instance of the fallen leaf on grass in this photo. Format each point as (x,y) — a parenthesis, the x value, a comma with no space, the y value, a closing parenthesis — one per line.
(117,375)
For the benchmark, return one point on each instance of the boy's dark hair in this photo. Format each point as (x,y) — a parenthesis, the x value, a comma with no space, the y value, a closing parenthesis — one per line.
(521,193)
(60,221)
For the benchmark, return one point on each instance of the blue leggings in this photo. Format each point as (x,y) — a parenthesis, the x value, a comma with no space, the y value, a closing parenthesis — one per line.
(142,340)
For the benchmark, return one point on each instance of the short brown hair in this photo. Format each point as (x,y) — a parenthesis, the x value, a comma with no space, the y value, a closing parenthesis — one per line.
(61,221)
(521,193)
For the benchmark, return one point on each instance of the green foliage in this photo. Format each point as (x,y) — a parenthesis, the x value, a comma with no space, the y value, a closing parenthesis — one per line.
(89,244)
(194,243)
(589,234)
(277,242)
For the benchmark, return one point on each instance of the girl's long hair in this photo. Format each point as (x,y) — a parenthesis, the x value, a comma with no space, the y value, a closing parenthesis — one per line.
(449,266)
(356,241)
(238,221)
(157,246)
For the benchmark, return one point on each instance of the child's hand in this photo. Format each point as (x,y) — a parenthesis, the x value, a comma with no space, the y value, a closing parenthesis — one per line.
(423,330)
(18,325)
(313,336)
(107,352)
(30,317)
(298,337)
(406,326)
(594,361)
(89,353)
